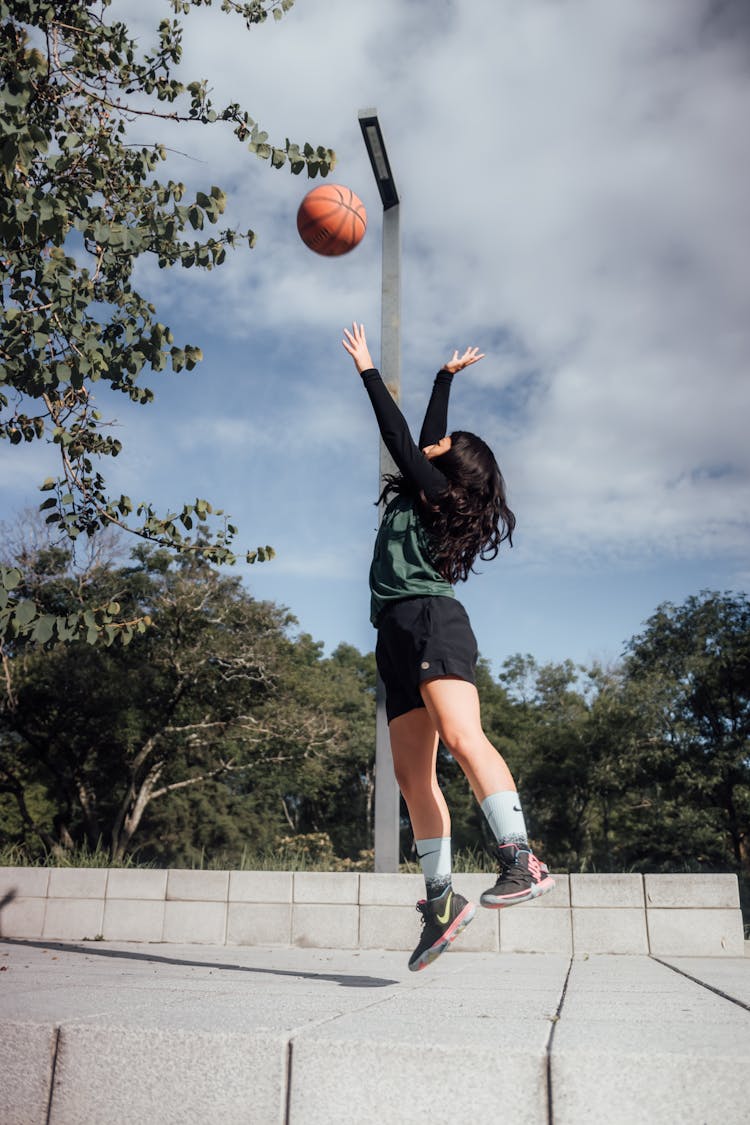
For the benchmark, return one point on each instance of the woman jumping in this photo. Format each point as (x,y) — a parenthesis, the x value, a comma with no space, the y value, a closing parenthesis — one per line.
(447,508)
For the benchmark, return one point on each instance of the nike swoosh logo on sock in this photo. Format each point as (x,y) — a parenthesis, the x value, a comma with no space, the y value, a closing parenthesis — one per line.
(443,918)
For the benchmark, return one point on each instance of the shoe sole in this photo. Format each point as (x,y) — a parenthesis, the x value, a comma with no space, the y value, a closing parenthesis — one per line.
(491,902)
(459,924)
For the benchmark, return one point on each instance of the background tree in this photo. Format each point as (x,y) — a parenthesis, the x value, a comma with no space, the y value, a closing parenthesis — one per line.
(691,669)
(317,803)
(215,688)
(579,737)
(548,754)
(81,205)
(336,792)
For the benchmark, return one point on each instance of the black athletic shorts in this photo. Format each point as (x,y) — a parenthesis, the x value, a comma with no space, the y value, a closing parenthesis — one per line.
(420,639)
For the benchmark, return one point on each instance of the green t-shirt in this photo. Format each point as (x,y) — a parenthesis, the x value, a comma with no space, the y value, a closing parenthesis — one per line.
(401,565)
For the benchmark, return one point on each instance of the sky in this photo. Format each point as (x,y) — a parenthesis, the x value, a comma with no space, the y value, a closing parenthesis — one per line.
(574,178)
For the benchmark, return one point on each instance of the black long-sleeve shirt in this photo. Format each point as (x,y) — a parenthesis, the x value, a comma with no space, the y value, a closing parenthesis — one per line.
(402,565)
(408,456)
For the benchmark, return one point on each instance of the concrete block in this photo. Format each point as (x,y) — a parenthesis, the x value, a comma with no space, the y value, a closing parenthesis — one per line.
(326,886)
(715,891)
(379,1078)
(482,935)
(121,1075)
(377,889)
(325,926)
(199,922)
(558,898)
(73,918)
(248,924)
(539,930)
(470,885)
(131,920)
(695,933)
(670,1073)
(260,886)
(198,886)
(134,882)
(730,975)
(27,1052)
(388,927)
(23,917)
(637,1042)
(77,882)
(24,882)
(606,890)
(609,930)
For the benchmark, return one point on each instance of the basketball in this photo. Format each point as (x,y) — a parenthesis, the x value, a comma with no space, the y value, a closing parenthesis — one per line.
(331,220)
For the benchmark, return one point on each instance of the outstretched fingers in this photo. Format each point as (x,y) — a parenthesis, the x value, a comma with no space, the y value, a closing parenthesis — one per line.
(458,362)
(355,343)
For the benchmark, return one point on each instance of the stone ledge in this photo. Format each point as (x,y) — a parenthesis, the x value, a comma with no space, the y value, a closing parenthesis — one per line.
(680,915)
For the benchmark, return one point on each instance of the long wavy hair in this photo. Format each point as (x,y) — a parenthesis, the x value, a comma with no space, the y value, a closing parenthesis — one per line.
(471,517)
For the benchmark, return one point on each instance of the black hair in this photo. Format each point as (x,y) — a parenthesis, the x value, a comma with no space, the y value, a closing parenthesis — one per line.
(471,517)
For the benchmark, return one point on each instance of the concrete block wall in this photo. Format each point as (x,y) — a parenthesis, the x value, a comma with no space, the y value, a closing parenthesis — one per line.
(665,915)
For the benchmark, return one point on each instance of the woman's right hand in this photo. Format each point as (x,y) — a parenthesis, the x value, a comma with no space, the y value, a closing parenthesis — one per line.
(458,362)
(355,342)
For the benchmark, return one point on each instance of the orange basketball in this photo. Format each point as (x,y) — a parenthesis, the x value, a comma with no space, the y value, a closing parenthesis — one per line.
(331,220)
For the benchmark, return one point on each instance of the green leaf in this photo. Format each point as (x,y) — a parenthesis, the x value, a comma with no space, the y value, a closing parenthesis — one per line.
(10,578)
(44,629)
(25,612)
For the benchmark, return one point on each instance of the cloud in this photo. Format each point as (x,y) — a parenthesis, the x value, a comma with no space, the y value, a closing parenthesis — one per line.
(574,180)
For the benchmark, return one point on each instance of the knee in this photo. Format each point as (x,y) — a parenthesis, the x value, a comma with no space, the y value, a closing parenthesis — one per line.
(461,743)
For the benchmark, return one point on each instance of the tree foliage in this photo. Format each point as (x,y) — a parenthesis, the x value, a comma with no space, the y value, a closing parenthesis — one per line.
(81,205)
(216,690)
(645,766)
(691,668)
(217,730)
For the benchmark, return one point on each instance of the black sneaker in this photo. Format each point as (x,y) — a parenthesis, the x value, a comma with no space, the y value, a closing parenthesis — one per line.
(522,877)
(443,919)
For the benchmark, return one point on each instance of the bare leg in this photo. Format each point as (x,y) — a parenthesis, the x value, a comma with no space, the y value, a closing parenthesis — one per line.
(453,707)
(414,743)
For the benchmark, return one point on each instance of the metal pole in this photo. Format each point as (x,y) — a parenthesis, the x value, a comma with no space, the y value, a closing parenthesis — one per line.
(387,802)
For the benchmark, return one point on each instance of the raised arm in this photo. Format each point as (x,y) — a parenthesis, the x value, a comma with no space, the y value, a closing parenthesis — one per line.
(408,457)
(435,425)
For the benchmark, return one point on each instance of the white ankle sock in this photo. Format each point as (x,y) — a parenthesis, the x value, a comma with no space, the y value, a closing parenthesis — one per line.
(505,818)
(435,858)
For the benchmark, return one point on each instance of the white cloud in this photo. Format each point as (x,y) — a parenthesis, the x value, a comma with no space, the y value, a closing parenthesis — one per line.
(575,180)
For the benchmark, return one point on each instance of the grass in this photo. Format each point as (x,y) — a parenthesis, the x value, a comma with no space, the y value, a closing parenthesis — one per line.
(15,855)
(304,855)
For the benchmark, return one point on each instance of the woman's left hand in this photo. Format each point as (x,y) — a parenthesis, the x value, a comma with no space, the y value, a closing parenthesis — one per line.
(458,362)
(355,342)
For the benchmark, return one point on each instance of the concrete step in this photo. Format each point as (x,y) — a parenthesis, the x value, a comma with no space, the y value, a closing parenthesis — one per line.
(112,1033)
(665,915)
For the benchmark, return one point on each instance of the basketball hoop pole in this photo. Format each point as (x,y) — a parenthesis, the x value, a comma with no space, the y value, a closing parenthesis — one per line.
(387,802)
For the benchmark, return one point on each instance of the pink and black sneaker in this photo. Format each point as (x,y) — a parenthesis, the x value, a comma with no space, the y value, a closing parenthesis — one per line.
(522,877)
(443,919)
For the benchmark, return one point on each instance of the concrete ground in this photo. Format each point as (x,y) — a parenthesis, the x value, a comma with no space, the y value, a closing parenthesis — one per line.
(97,1033)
